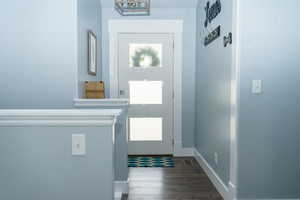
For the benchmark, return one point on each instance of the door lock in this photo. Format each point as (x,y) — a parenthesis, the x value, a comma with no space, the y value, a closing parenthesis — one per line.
(122,92)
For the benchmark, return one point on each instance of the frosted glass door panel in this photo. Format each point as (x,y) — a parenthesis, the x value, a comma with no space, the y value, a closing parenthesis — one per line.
(145,92)
(145,129)
(145,55)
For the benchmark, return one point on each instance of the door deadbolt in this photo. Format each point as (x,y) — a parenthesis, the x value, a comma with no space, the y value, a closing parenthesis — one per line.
(122,92)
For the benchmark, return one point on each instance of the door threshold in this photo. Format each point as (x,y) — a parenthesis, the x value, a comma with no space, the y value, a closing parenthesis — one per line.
(160,155)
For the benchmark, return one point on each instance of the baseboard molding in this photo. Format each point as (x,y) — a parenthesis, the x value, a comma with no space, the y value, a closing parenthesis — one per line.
(183,152)
(213,176)
(232,191)
(228,193)
(121,187)
(268,199)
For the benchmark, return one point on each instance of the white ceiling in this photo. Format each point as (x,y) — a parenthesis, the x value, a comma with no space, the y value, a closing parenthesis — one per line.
(160,3)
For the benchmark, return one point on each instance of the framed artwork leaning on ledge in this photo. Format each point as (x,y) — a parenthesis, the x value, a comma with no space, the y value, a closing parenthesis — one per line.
(92,53)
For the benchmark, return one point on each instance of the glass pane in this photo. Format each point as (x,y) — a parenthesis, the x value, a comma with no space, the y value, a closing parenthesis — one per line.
(145,55)
(145,129)
(145,92)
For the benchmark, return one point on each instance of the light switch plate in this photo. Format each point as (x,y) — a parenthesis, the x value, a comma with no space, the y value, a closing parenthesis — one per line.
(78,144)
(257,86)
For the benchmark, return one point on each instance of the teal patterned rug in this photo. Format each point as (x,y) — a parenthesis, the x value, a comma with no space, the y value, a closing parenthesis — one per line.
(150,161)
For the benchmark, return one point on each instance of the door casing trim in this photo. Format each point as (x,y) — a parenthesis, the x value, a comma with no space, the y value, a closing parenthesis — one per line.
(174,27)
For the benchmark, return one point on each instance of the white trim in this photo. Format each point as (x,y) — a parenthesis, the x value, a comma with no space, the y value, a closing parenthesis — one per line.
(232,191)
(118,196)
(268,199)
(235,100)
(145,26)
(113,65)
(212,175)
(11,118)
(121,187)
(76,87)
(183,152)
(81,103)
(152,26)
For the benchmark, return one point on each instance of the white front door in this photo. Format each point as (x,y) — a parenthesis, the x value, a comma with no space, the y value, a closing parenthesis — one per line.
(146,79)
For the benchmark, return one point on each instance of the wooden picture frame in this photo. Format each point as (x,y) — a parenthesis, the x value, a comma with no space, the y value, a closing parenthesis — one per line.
(92,53)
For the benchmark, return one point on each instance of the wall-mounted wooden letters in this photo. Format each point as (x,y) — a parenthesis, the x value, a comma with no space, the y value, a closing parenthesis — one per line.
(212,12)
(212,36)
(227,39)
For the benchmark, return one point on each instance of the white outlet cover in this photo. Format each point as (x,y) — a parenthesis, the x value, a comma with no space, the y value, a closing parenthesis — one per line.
(256,86)
(78,144)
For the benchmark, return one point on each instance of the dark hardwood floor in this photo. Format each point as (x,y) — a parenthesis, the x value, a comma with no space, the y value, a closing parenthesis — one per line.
(186,181)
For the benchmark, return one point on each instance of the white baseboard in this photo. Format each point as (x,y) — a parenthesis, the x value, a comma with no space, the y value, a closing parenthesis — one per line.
(213,176)
(183,152)
(232,191)
(121,187)
(269,199)
(228,193)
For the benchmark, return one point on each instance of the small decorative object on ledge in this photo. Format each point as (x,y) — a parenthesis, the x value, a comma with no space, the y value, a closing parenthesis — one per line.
(94,90)
(133,7)
(212,36)
(228,39)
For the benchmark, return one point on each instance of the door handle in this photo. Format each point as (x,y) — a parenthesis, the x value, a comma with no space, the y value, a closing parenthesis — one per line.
(122,92)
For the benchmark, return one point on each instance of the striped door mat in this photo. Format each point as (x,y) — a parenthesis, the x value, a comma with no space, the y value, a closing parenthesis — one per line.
(150,161)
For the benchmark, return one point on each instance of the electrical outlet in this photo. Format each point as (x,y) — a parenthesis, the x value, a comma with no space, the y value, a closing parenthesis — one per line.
(257,87)
(216,158)
(78,144)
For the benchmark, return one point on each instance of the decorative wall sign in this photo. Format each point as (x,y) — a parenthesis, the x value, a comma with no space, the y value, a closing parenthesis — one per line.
(212,36)
(228,39)
(212,12)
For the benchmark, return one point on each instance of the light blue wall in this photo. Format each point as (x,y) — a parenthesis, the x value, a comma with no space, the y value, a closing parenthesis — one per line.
(269,164)
(89,18)
(121,145)
(188,15)
(38,55)
(213,77)
(42,45)
(36,163)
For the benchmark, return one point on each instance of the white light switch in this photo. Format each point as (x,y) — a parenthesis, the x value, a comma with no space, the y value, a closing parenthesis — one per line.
(78,144)
(257,86)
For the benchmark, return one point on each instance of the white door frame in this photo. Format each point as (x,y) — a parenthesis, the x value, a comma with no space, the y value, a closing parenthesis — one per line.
(235,100)
(174,27)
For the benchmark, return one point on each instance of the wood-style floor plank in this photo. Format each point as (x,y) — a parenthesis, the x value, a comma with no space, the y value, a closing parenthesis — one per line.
(186,181)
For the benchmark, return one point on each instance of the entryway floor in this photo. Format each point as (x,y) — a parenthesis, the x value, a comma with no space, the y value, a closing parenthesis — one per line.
(186,181)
